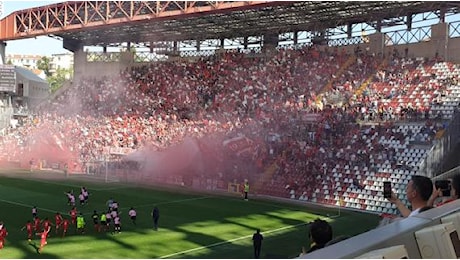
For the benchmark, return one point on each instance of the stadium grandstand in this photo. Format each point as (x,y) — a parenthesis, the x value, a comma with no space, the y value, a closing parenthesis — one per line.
(313,101)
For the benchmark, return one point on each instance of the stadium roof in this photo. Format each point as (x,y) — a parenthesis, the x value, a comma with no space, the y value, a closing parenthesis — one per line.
(106,22)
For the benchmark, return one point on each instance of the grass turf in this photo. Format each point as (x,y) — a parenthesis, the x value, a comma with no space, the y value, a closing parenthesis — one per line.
(192,225)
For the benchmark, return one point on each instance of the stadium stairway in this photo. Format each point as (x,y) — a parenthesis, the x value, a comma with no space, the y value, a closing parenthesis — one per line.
(340,71)
(267,175)
(366,83)
(65,86)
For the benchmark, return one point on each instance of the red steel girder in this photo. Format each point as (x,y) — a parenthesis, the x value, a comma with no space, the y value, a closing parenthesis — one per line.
(82,15)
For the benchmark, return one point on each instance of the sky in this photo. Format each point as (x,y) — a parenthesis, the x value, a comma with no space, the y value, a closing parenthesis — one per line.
(43,45)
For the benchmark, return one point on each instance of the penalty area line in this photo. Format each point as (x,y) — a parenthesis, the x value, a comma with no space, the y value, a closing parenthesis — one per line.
(230,241)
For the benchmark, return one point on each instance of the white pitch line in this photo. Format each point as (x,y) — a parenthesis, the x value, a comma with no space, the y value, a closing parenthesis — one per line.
(172,202)
(160,203)
(54,211)
(59,183)
(230,241)
(26,205)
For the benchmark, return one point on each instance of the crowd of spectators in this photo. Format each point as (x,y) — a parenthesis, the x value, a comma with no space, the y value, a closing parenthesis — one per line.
(299,110)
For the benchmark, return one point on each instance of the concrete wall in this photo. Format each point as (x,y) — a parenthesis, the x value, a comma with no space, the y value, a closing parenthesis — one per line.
(397,233)
(85,69)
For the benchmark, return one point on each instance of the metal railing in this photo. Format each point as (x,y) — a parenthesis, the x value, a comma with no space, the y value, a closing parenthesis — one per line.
(433,162)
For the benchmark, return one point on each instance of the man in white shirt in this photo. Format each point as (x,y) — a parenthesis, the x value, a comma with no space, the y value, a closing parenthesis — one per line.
(418,192)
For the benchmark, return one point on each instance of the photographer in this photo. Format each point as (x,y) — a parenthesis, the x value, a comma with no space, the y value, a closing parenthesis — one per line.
(418,192)
(445,192)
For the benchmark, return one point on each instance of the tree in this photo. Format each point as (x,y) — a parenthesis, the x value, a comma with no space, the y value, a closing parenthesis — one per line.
(44,64)
(57,80)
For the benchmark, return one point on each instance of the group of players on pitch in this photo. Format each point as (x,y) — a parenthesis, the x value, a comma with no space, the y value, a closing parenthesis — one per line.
(42,228)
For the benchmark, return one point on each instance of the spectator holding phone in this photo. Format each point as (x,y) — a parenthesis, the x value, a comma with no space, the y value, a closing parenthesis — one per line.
(439,196)
(418,192)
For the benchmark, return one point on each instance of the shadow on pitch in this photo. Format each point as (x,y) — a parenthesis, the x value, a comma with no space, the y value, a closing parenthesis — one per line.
(34,245)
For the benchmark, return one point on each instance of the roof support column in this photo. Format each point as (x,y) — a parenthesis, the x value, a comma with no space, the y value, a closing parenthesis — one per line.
(296,37)
(409,22)
(222,42)
(175,49)
(349,30)
(79,64)
(440,39)
(378,27)
(377,43)
(270,42)
(2,52)
(442,15)
(198,45)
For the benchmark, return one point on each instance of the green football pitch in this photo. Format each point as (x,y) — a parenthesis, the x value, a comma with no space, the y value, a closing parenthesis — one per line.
(192,224)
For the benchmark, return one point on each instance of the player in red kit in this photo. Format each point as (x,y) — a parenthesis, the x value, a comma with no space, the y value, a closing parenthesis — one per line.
(73,215)
(58,221)
(65,226)
(30,228)
(37,224)
(43,235)
(3,234)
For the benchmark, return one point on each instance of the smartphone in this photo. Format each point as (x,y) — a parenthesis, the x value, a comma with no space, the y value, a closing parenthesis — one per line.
(387,189)
(444,185)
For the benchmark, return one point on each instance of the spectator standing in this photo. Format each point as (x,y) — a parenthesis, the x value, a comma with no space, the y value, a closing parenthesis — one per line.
(418,192)
(246,190)
(31,164)
(156,217)
(257,243)
(454,190)
(66,168)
